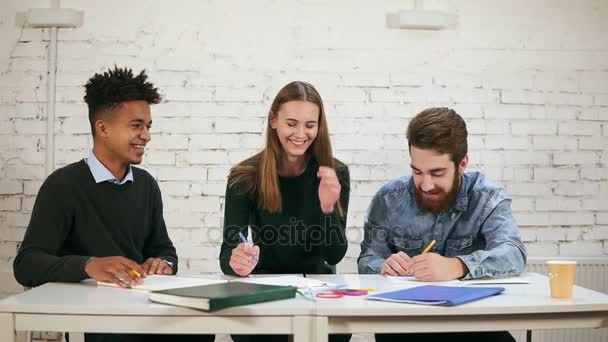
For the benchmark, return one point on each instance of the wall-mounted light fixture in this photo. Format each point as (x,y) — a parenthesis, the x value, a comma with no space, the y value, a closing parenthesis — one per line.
(52,18)
(421,19)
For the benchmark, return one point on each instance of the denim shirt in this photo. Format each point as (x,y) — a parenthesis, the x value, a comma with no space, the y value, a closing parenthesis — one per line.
(479,228)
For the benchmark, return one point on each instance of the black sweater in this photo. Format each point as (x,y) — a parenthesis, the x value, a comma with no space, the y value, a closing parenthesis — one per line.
(74,219)
(300,239)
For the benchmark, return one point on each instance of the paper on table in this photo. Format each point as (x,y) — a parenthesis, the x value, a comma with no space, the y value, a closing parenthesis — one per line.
(410,281)
(506,280)
(163,282)
(289,280)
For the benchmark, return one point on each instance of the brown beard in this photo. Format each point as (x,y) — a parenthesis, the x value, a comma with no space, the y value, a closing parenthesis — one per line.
(441,205)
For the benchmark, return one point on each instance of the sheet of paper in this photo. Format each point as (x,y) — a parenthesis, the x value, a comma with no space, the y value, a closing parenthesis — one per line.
(162,282)
(507,280)
(289,280)
(410,281)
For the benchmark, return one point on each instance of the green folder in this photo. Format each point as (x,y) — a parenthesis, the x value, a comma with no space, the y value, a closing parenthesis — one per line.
(219,296)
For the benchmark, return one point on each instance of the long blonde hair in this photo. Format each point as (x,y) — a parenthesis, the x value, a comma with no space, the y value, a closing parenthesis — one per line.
(259,173)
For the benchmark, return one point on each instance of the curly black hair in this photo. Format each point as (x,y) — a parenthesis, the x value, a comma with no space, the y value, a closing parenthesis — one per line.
(108,90)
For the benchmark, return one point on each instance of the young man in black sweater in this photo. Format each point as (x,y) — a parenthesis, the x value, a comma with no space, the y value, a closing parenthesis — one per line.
(100,217)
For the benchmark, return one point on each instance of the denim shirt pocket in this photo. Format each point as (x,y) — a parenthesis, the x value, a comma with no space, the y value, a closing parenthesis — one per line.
(411,246)
(461,245)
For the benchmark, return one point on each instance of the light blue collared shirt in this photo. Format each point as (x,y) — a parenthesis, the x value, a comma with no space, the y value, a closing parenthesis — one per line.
(102,174)
(479,228)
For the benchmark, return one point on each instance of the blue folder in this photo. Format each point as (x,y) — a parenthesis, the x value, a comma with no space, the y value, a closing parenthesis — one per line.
(437,295)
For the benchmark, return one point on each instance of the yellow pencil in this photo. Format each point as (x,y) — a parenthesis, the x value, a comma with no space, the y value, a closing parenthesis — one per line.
(136,273)
(428,248)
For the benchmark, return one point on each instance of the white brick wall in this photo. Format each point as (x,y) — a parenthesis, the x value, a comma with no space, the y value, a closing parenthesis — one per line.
(534,93)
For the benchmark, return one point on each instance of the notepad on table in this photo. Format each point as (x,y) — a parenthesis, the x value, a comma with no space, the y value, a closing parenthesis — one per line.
(162,282)
(490,281)
(288,280)
(437,295)
(219,296)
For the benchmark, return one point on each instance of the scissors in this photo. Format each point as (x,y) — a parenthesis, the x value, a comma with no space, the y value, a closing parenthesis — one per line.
(333,294)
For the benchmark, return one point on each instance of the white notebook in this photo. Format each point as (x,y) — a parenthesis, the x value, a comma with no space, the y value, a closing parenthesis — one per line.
(163,282)
(406,281)
(489,281)
(288,280)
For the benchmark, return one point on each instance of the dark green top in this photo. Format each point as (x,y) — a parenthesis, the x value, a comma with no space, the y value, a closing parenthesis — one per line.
(300,239)
(75,218)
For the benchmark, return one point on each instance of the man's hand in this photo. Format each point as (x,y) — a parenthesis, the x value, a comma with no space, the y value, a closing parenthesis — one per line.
(116,269)
(156,266)
(242,259)
(396,265)
(329,189)
(434,267)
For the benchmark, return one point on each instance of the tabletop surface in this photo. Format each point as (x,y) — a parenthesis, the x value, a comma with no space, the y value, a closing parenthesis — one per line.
(90,299)
(516,299)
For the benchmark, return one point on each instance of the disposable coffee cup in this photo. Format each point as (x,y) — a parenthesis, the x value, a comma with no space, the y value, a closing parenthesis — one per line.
(561,277)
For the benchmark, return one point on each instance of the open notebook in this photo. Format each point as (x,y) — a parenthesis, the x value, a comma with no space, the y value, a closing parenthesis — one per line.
(489,281)
(158,282)
(411,281)
(289,280)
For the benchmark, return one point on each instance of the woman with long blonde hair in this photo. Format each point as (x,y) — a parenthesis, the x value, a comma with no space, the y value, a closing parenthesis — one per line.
(293,195)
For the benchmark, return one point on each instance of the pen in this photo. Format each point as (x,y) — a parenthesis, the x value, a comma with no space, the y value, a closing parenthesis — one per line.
(244,240)
(428,248)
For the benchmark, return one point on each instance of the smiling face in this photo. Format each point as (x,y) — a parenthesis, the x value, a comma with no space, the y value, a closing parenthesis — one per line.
(125,132)
(436,178)
(296,124)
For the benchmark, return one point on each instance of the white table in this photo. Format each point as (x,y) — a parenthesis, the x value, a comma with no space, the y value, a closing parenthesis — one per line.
(87,308)
(520,307)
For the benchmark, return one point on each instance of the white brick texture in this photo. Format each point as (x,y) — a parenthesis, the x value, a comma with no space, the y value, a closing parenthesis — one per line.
(534,95)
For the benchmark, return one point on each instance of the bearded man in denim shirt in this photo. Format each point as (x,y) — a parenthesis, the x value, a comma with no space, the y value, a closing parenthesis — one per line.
(468,216)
